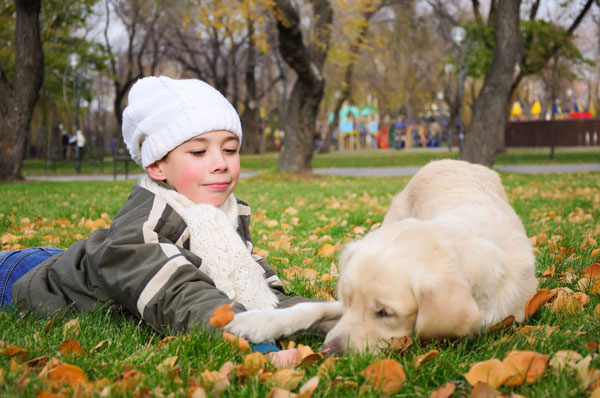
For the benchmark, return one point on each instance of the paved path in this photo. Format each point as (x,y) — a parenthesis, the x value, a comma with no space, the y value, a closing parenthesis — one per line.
(356,172)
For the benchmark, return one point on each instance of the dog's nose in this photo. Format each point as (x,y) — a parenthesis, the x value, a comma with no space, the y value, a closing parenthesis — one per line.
(333,348)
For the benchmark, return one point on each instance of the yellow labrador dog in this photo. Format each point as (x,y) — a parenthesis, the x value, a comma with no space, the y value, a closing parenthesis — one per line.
(450,258)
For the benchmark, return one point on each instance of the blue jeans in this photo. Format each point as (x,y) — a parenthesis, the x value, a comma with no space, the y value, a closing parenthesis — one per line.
(16,263)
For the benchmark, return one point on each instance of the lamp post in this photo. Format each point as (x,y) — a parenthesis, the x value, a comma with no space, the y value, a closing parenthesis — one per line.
(78,76)
(458,35)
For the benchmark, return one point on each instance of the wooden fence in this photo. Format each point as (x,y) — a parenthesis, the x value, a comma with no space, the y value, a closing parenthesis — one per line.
(541,133)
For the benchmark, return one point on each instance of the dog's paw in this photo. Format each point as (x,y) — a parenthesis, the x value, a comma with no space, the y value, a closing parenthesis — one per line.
(257,326)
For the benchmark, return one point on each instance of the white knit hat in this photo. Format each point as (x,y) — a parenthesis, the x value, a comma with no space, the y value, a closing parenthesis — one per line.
(163,113)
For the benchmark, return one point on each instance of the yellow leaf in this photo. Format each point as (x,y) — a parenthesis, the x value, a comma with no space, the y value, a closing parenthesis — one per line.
(422,358)
(386,376)
(286,378)
(565,358)
(66,373)
(240,342)
(444,391)
(524,366)
(254,362)
(222,315)
(327,250)
(491,372)
(309,387)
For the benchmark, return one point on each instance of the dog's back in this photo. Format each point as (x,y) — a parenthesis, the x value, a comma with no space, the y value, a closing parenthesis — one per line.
(444,185)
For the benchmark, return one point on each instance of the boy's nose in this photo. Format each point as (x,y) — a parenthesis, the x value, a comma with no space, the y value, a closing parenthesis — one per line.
(217,162)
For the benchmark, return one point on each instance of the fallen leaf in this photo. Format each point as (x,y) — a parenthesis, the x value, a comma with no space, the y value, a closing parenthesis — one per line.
(286,378)
(503,324)
(491,372)
(483,390)
(222,315)
(37,362)
(309,387)
(540,298)
(597,310)
(306,356)
(592,272)
(13,351)
(586,376)
(444,391)
(71,327)
(71,346)
(240,342)
(418,361)
(400,344)
(278,392)
(564,358)
(214,381)
(66,373)
(327,250)
(386,376)
(254,362)
(524,366)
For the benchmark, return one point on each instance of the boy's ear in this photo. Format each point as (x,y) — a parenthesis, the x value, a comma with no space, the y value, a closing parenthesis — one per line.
(155,172)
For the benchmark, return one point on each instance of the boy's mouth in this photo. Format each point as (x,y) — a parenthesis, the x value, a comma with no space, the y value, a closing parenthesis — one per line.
(218,186)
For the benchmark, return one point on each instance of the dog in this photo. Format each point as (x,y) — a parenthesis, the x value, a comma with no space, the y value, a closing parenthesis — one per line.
(450,258)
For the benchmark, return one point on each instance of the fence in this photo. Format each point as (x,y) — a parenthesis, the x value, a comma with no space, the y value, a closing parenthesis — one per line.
(571,132)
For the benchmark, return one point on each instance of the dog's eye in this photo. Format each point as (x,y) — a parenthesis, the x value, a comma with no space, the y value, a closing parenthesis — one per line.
(382,313)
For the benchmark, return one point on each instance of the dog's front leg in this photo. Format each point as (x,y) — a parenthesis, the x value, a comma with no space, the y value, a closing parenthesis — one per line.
(266,325)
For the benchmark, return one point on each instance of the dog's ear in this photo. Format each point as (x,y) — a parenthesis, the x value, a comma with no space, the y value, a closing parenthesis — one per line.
(347,253)
(446,309)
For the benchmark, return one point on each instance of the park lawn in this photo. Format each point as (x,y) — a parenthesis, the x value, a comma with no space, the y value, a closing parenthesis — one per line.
(298,222)
(367,158)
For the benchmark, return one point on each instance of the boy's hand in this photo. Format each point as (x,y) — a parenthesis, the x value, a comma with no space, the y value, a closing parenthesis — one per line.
(283,358)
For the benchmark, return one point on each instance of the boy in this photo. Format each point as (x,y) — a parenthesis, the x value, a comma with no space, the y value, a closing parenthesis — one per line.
(180,246)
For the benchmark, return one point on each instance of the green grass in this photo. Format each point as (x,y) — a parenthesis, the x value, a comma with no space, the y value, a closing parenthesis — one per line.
(309,213)
(367,158)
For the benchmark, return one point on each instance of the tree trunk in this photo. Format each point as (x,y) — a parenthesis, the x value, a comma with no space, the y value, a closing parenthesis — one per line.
(250,117)
(485,135)
(307,92)
(17,100)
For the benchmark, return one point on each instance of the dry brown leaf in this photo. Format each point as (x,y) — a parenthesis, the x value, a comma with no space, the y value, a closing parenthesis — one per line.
(278,392)
(254,362)
(13,351)
(592,272)
(483,390)
(400,344)
(66,373)
(100,345)
(386,376)
(327,250)
(240,342)
(503,324)
(568,304)
(418,361)
(309,387)
(167,364)
(222,315)
(260,252)
(586,376)
(71,327)
(524,366)
(196,392)
(326,367)
(286,378)
(597,310)
(444,391)
(594,253)
(540,298)
(37,362)
(128,380)
(301,273)
(71,346)
(306,356)
(491,372)
(565,358)
(214,381)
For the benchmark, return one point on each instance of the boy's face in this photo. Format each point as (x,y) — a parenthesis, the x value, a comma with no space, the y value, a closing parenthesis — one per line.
(205,169)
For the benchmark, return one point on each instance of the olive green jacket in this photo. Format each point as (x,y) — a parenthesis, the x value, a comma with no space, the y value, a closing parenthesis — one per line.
(143,263)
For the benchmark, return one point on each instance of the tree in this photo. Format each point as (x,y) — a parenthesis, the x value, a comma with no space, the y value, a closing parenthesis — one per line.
(145,44)
(307,60)
(489,111)
(18,98)
(541,42)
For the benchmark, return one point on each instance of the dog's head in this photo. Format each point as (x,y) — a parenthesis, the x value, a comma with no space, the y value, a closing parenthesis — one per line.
(400,279)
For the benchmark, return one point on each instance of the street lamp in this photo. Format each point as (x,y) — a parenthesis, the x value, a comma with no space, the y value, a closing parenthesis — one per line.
(458,35)
(78,76)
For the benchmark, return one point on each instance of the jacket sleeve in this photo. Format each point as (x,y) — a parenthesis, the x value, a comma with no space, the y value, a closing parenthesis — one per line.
(144,265)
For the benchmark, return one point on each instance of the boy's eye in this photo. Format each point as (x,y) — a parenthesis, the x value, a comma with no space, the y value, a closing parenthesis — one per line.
(198,153)
(230,150)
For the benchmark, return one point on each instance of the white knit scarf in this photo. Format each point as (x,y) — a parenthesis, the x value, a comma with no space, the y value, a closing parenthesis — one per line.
(225,257)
